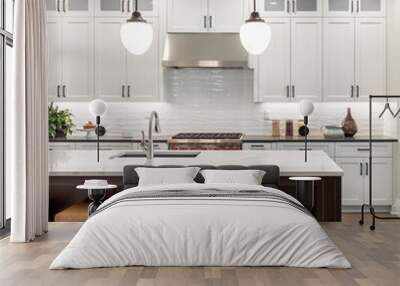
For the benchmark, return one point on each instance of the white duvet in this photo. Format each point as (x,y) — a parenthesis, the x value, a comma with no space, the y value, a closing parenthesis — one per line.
(202,232)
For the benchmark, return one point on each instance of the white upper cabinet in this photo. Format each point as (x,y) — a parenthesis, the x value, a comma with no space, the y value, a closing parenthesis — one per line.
(339,59)
(77,58)
(73,8)
(355,8)
(70,43)
(354,58)
(143,71)
(293,8)
(306,50)
(307,8)
(339,8)
(370,57)
(54,45)
(272,69)
(201,16)
(371,8)
(118,8)
(110,59)
(187,16)
(273,8)
(119,75)
(291,67)
(53,8)
(226,16)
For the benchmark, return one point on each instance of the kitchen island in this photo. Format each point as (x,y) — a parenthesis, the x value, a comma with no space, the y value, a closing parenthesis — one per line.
(69,168)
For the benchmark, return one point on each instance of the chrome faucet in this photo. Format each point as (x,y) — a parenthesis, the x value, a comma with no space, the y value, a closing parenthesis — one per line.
(147,144)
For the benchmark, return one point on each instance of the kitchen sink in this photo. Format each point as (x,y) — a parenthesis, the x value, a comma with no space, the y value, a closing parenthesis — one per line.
(157,154)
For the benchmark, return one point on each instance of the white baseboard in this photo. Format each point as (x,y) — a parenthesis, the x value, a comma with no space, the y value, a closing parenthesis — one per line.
(396,208)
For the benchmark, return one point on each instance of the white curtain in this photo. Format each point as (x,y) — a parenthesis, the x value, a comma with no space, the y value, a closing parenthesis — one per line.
(28,121)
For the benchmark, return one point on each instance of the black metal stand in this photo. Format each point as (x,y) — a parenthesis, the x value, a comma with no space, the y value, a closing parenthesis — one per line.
(98,137)
(97,197)
(305,137)
(370,205)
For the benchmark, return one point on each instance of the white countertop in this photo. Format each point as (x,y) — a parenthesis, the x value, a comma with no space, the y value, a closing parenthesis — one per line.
(291,163)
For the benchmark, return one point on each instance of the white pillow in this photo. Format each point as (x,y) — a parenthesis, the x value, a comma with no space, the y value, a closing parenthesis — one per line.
(248,177)
(166,176)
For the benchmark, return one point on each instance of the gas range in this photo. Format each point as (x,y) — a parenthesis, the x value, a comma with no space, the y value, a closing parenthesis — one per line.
(206,141)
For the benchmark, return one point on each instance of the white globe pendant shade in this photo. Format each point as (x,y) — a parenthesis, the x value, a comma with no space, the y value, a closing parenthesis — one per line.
(255,36)
(97,107)
(136,37)
(306,107)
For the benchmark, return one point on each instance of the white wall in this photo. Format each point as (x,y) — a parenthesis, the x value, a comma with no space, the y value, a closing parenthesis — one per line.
(216,100)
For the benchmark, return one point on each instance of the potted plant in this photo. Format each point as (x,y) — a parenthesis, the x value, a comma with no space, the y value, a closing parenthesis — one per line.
(60,122)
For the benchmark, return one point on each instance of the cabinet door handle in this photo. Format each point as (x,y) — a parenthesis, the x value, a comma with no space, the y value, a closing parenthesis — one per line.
(129,6)
(362,149)
(352,91)
(64,91)
(257,146)
(123,91)
(58,5)
(205,22)
(288,6)
(294,10)
(122,5)
(358,91)
(129,91)
(352,7)
(361,169)
(366,169)
(293,91)
(358,6)
(64,8)
(210,20)
(288,91)
(58,90)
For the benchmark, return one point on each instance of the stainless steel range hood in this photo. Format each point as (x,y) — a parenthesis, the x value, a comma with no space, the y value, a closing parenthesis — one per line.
(204,50)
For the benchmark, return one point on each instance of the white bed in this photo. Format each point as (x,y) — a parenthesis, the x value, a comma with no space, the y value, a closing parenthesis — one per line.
(200,231)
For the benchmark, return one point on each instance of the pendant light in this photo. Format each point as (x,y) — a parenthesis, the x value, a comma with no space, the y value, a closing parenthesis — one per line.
(255,34)
(136,33)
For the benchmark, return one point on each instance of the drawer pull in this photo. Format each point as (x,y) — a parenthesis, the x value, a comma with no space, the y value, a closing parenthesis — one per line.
(361,169)
(304,149)
(363,149)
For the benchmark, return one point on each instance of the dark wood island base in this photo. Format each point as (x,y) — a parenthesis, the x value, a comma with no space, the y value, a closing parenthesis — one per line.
(328,194)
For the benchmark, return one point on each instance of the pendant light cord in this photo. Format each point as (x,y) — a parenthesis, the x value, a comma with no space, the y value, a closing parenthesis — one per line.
(136,5)
(254,5)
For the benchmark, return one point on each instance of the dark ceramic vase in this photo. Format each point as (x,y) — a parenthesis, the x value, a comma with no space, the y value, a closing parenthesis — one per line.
(60,134)
(349,125)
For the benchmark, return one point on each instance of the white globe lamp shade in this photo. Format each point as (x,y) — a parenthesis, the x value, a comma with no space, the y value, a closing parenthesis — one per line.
(306,107)
(97,107)
(255,36)
(136,36)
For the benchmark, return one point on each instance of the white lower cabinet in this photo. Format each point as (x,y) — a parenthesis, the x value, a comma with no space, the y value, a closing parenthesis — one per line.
(355,181)
(328,148)
(257,146)
(104,146)
(61,146)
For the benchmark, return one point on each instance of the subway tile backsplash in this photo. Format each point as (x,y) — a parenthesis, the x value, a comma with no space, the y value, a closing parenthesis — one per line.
(218,100)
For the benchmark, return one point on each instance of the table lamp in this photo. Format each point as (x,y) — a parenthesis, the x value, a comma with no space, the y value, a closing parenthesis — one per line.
(97,108)
(306,107)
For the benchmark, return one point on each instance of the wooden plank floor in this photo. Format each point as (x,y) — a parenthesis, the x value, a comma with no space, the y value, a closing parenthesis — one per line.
(375,257)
